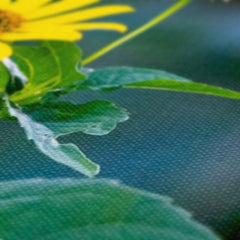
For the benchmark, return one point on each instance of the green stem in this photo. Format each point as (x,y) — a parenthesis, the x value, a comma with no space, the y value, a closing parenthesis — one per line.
(170,11)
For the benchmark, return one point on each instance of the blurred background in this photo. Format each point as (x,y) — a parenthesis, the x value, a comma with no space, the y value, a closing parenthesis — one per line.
(183,145)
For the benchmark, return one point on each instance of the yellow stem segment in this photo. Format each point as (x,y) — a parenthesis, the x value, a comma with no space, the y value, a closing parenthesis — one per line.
(170,11)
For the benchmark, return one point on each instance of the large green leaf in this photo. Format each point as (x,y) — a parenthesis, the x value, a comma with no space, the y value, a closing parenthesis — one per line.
(91,210)
(49,67)
(43,124)
(115,77)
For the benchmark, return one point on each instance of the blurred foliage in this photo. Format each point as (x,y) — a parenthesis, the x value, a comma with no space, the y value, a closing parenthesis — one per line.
(91,210)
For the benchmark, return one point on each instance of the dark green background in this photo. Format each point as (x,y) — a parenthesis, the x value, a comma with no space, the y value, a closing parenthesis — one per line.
(177,144)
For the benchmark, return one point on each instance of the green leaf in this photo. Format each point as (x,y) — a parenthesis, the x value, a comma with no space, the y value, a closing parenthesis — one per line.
(43,124)
(115,77)
(191,87)
(67,209)
(49,67)
(4,115)
(4,78)
(94,118)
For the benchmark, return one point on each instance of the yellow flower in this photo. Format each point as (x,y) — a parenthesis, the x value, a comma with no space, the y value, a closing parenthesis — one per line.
(41,20)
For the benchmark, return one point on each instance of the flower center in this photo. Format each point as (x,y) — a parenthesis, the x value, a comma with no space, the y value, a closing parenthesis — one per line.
(9,21)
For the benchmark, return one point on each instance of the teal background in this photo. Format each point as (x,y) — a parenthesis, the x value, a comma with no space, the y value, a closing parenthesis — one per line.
(177,144)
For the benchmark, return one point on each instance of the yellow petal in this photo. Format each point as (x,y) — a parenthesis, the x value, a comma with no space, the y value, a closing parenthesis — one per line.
(25,6)
(42,32)
(27,3)
(59,7)
(100,25)
(91,13)
(4,3)
(5,50)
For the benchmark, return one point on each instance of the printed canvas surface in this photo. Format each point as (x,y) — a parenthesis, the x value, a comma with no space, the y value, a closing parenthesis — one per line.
(119,120)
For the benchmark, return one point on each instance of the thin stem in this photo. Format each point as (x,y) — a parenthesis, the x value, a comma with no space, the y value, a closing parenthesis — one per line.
(170,11)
